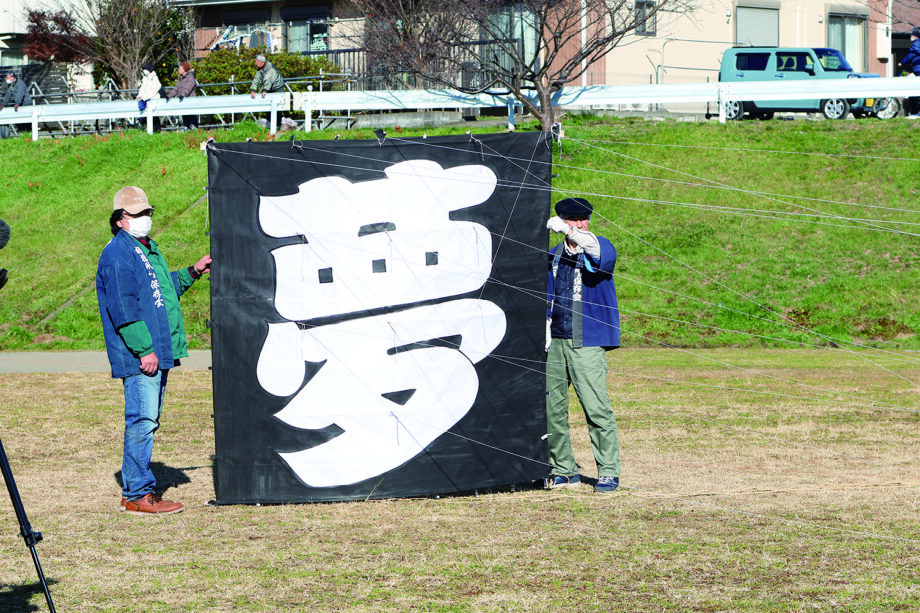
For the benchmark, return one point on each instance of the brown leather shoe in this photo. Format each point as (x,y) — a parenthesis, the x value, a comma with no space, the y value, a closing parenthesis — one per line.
(123,502)
(152,504)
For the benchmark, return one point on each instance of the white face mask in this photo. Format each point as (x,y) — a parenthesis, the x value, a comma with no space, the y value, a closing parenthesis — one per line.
(139,227)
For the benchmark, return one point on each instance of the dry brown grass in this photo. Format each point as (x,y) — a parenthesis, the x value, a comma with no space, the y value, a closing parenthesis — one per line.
(732,501)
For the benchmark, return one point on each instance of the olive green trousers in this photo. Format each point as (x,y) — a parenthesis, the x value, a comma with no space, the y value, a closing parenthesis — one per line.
(586,369)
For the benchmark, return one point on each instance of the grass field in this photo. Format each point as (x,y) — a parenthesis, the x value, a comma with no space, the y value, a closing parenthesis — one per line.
(722,230)
(758,474)
(789,483)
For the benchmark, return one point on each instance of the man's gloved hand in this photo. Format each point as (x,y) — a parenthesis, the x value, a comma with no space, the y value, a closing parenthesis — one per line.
(549,336)
(586,241)
(181,98)
(557,225)
(16,107)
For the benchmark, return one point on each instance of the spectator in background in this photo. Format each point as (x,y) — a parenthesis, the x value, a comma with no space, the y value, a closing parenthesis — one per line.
(911,62)
(185,87)
(17,94)
(4,238)
(267,79)
(149,90)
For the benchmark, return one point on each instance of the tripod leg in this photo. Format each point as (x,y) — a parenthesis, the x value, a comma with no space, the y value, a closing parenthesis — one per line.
(25,529)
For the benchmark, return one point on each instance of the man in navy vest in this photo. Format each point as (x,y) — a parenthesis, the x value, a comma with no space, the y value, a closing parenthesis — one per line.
(583,323)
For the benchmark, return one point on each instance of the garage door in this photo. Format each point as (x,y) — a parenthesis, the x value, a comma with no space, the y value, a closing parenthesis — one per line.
(757,26)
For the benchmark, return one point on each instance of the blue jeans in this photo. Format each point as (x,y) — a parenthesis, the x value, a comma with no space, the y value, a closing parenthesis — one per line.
(143,403)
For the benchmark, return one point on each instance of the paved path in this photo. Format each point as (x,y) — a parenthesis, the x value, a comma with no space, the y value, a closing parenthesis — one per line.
(78,361)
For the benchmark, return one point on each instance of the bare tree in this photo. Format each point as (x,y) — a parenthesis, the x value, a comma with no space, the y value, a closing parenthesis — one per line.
(528,48)
(122,35)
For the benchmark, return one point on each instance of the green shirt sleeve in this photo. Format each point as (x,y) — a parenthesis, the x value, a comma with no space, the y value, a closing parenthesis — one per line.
(137,337)
(186,280)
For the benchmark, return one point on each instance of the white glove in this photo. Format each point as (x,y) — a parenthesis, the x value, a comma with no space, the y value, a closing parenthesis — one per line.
(557,225)
(549,337)
(587,241)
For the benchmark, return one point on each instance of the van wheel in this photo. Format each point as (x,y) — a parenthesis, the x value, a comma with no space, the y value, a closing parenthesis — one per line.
(835,108)
(733,110)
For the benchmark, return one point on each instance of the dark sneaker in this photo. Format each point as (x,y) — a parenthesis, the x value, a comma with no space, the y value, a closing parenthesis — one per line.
(605,485)
(151,504)
(561,481)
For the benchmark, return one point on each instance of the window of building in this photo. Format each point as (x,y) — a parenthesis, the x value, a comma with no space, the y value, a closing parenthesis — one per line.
(848,34)
(307,28)
(515,24)
(646,18)
(307,35)
(757,27)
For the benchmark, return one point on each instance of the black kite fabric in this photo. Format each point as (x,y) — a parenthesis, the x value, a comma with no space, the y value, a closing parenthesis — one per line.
(378,313)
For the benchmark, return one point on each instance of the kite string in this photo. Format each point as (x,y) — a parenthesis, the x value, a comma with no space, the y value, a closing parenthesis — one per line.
(722,362)
(747,150)
(712,208)
(833,340)
(896,358)
(720,284)
(725,363)
(747,513)
(709,183)
(700,273)
(698,178)
(824,391)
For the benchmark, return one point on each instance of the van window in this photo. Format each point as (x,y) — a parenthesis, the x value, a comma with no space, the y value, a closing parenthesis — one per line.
(791,61)
(751,61)
(833,60)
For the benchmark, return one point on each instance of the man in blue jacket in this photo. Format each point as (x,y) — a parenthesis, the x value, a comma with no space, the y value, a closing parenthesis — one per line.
(583,322)
(144,336)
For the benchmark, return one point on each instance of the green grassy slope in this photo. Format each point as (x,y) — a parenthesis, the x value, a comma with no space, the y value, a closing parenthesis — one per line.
(847,282)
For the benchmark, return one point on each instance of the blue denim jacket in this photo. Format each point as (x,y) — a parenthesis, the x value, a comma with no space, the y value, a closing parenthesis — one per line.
(130,289)
(594,321)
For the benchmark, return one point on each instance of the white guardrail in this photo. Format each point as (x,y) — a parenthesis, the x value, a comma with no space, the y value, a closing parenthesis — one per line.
(608,95)
(346,101)
(127,109)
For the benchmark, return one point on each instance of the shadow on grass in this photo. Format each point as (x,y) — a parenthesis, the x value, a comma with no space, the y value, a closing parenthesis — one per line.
(166,476)
(19,598)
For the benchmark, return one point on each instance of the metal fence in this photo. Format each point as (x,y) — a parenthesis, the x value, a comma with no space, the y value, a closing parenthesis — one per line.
(72,118)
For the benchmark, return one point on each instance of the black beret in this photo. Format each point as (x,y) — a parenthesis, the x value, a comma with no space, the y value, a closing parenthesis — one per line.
(574,207)
(915,32)
(148,66)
